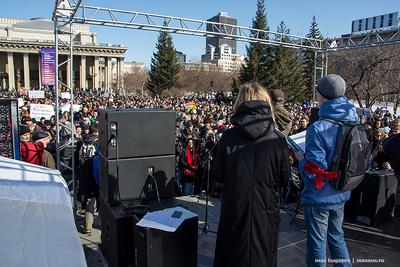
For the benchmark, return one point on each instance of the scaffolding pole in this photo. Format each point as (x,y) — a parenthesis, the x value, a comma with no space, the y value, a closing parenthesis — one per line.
(65,29)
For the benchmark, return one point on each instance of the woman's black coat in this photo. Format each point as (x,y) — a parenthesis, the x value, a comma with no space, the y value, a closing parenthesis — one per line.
(252,162)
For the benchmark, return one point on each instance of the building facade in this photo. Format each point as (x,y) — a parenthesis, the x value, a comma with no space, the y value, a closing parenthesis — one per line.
(94,65)
(216,42)
(222,52)
(382,22)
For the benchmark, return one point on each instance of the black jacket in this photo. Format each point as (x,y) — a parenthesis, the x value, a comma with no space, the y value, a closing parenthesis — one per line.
(252,162)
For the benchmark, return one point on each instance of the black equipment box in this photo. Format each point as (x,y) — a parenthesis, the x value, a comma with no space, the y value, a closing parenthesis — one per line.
(138,133)
(132,144)
(155,248)
(374,198)
(9,129)
(124,244)
(133,178)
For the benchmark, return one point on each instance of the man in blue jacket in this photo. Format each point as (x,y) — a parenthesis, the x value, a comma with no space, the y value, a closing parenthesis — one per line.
(323,205)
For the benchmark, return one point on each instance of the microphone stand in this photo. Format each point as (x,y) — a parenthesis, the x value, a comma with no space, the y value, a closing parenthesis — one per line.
(208,160)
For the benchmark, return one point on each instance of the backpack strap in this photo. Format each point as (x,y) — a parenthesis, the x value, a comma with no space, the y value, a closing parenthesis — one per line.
(344,129)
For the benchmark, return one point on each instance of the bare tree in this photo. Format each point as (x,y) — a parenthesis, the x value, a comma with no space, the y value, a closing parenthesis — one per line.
(205,80)
(135,80)
(371,74)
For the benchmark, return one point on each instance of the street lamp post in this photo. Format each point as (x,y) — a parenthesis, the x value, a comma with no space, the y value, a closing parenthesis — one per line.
(142,88)
(211,87)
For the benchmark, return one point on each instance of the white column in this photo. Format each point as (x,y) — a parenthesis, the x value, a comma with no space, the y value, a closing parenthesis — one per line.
(96,74)
(10,70)
(27,78)
(68,73)
(109,74)
(120,73)
(83,73)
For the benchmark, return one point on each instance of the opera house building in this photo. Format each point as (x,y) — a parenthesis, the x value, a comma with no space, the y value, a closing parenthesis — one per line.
(94,65)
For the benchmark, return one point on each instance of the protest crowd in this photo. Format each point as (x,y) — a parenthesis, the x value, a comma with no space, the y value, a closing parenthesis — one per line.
(201,120)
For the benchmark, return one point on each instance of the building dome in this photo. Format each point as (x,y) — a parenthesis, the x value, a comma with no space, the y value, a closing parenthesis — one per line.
(42,24)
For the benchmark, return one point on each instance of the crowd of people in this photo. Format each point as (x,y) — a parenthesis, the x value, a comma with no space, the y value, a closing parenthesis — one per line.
(201,121)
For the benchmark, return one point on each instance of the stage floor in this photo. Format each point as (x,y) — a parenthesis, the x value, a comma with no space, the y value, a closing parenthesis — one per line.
(365,243)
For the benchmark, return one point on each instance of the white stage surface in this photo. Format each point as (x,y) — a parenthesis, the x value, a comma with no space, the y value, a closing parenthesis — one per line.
(37,223)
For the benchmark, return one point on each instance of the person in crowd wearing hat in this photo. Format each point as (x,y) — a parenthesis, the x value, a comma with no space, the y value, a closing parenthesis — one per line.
(323,205)
(31,152)
(283,118)
(44,138)
(252,163)
(24,133)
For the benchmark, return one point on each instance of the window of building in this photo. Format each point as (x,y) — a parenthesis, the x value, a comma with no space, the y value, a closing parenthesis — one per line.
(390,22)
(381,24)
(366,24)
(359,25)
(374,23)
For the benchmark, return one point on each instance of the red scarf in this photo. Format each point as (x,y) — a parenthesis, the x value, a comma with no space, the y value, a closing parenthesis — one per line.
(313,168)
(192,161)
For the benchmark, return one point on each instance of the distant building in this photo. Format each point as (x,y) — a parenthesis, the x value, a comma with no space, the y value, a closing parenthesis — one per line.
(222,52)
(200,66)
(216,42)
(181,57)
(382,22)
(94,64)
(133,66)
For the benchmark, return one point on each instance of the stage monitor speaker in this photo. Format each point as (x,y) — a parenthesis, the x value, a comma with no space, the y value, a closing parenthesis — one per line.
(137,133)
(156,248)
(9,129)
(117,238)
(123,180)
(374,198)
(118,226)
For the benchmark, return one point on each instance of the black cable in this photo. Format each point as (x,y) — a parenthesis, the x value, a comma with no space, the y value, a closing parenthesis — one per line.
(150,174)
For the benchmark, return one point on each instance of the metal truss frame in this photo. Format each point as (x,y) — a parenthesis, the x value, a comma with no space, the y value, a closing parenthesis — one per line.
(364,40)
(68,12)
(64,28)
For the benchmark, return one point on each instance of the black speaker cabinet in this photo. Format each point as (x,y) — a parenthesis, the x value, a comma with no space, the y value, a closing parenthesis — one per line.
(132,142)
(136,133)
(9,130)
(117,238)
(125,179)
(156,248)
(374,198)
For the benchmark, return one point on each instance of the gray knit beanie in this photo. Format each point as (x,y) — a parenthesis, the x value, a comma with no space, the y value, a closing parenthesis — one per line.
(331,86)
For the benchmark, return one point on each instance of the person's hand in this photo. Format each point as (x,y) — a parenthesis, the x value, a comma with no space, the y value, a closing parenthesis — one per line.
(386,166)
(299,155)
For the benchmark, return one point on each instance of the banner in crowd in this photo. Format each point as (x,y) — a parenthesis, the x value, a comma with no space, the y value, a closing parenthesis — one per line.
(20,102)
(68,108)
(36,94)
(190,106)
(48,65)
(65,95)
(40,110)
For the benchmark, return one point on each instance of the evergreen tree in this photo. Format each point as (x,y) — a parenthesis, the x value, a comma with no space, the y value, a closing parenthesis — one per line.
(164,68)
(257,53)
(285,69)
(308,61)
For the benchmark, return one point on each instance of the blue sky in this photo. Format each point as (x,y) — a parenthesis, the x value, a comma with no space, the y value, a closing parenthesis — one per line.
(334,18)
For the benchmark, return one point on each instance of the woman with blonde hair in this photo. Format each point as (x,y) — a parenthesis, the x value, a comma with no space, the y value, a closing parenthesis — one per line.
(252,162)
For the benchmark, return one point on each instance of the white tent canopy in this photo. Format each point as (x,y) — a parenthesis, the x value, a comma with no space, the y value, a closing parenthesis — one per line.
(37,226)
